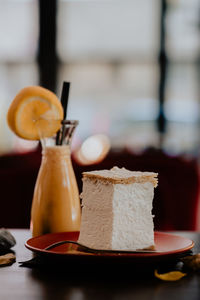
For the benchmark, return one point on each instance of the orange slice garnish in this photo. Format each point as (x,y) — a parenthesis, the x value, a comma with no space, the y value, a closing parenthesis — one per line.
(34,113)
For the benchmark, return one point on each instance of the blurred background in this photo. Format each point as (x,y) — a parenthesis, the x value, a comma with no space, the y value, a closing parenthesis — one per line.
(134,68)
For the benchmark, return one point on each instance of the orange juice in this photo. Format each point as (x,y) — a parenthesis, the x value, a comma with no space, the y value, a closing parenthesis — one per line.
(56,204)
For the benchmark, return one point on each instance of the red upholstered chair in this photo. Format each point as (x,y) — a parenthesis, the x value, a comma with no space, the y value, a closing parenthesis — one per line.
(176,197)
(18,174)
(175,201)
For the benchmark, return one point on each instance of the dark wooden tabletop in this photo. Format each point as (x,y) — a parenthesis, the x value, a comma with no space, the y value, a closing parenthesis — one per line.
(81,281)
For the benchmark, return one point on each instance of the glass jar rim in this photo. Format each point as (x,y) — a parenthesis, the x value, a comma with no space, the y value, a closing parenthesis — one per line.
(70,122)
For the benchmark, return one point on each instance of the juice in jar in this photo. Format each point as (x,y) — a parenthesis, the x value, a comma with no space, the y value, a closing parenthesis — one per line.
(56,203)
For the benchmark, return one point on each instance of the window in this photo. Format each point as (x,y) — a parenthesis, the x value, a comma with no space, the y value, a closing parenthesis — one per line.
(18,68)
(133,65)
(108,50)
(182,104)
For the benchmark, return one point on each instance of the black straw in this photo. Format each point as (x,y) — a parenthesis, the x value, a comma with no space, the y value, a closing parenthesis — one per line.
(65,97)
(64,102)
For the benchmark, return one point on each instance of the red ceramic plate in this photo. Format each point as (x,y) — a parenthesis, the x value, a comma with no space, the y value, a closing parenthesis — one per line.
(169,246)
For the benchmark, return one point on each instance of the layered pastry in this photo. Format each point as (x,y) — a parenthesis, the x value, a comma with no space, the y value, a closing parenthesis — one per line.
(117,209)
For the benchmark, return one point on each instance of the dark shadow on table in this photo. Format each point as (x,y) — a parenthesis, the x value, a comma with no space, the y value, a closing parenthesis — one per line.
(107,281)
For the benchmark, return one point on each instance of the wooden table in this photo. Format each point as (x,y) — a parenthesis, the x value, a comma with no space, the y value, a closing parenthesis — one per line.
(83,282)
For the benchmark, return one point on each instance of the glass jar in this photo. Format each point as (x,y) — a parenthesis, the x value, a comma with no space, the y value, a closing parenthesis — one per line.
(56,202)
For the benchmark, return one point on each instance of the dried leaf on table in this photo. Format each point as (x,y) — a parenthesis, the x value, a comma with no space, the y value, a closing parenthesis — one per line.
(170,276)
(192,262)
(7,259)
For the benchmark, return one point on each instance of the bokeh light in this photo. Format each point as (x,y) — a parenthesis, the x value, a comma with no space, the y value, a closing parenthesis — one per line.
(93,150)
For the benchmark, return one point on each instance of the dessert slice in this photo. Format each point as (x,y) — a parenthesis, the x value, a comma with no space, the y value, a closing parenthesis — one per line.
(117,209)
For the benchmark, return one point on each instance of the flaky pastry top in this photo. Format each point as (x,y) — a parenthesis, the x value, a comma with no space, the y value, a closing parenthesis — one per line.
(121,175)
